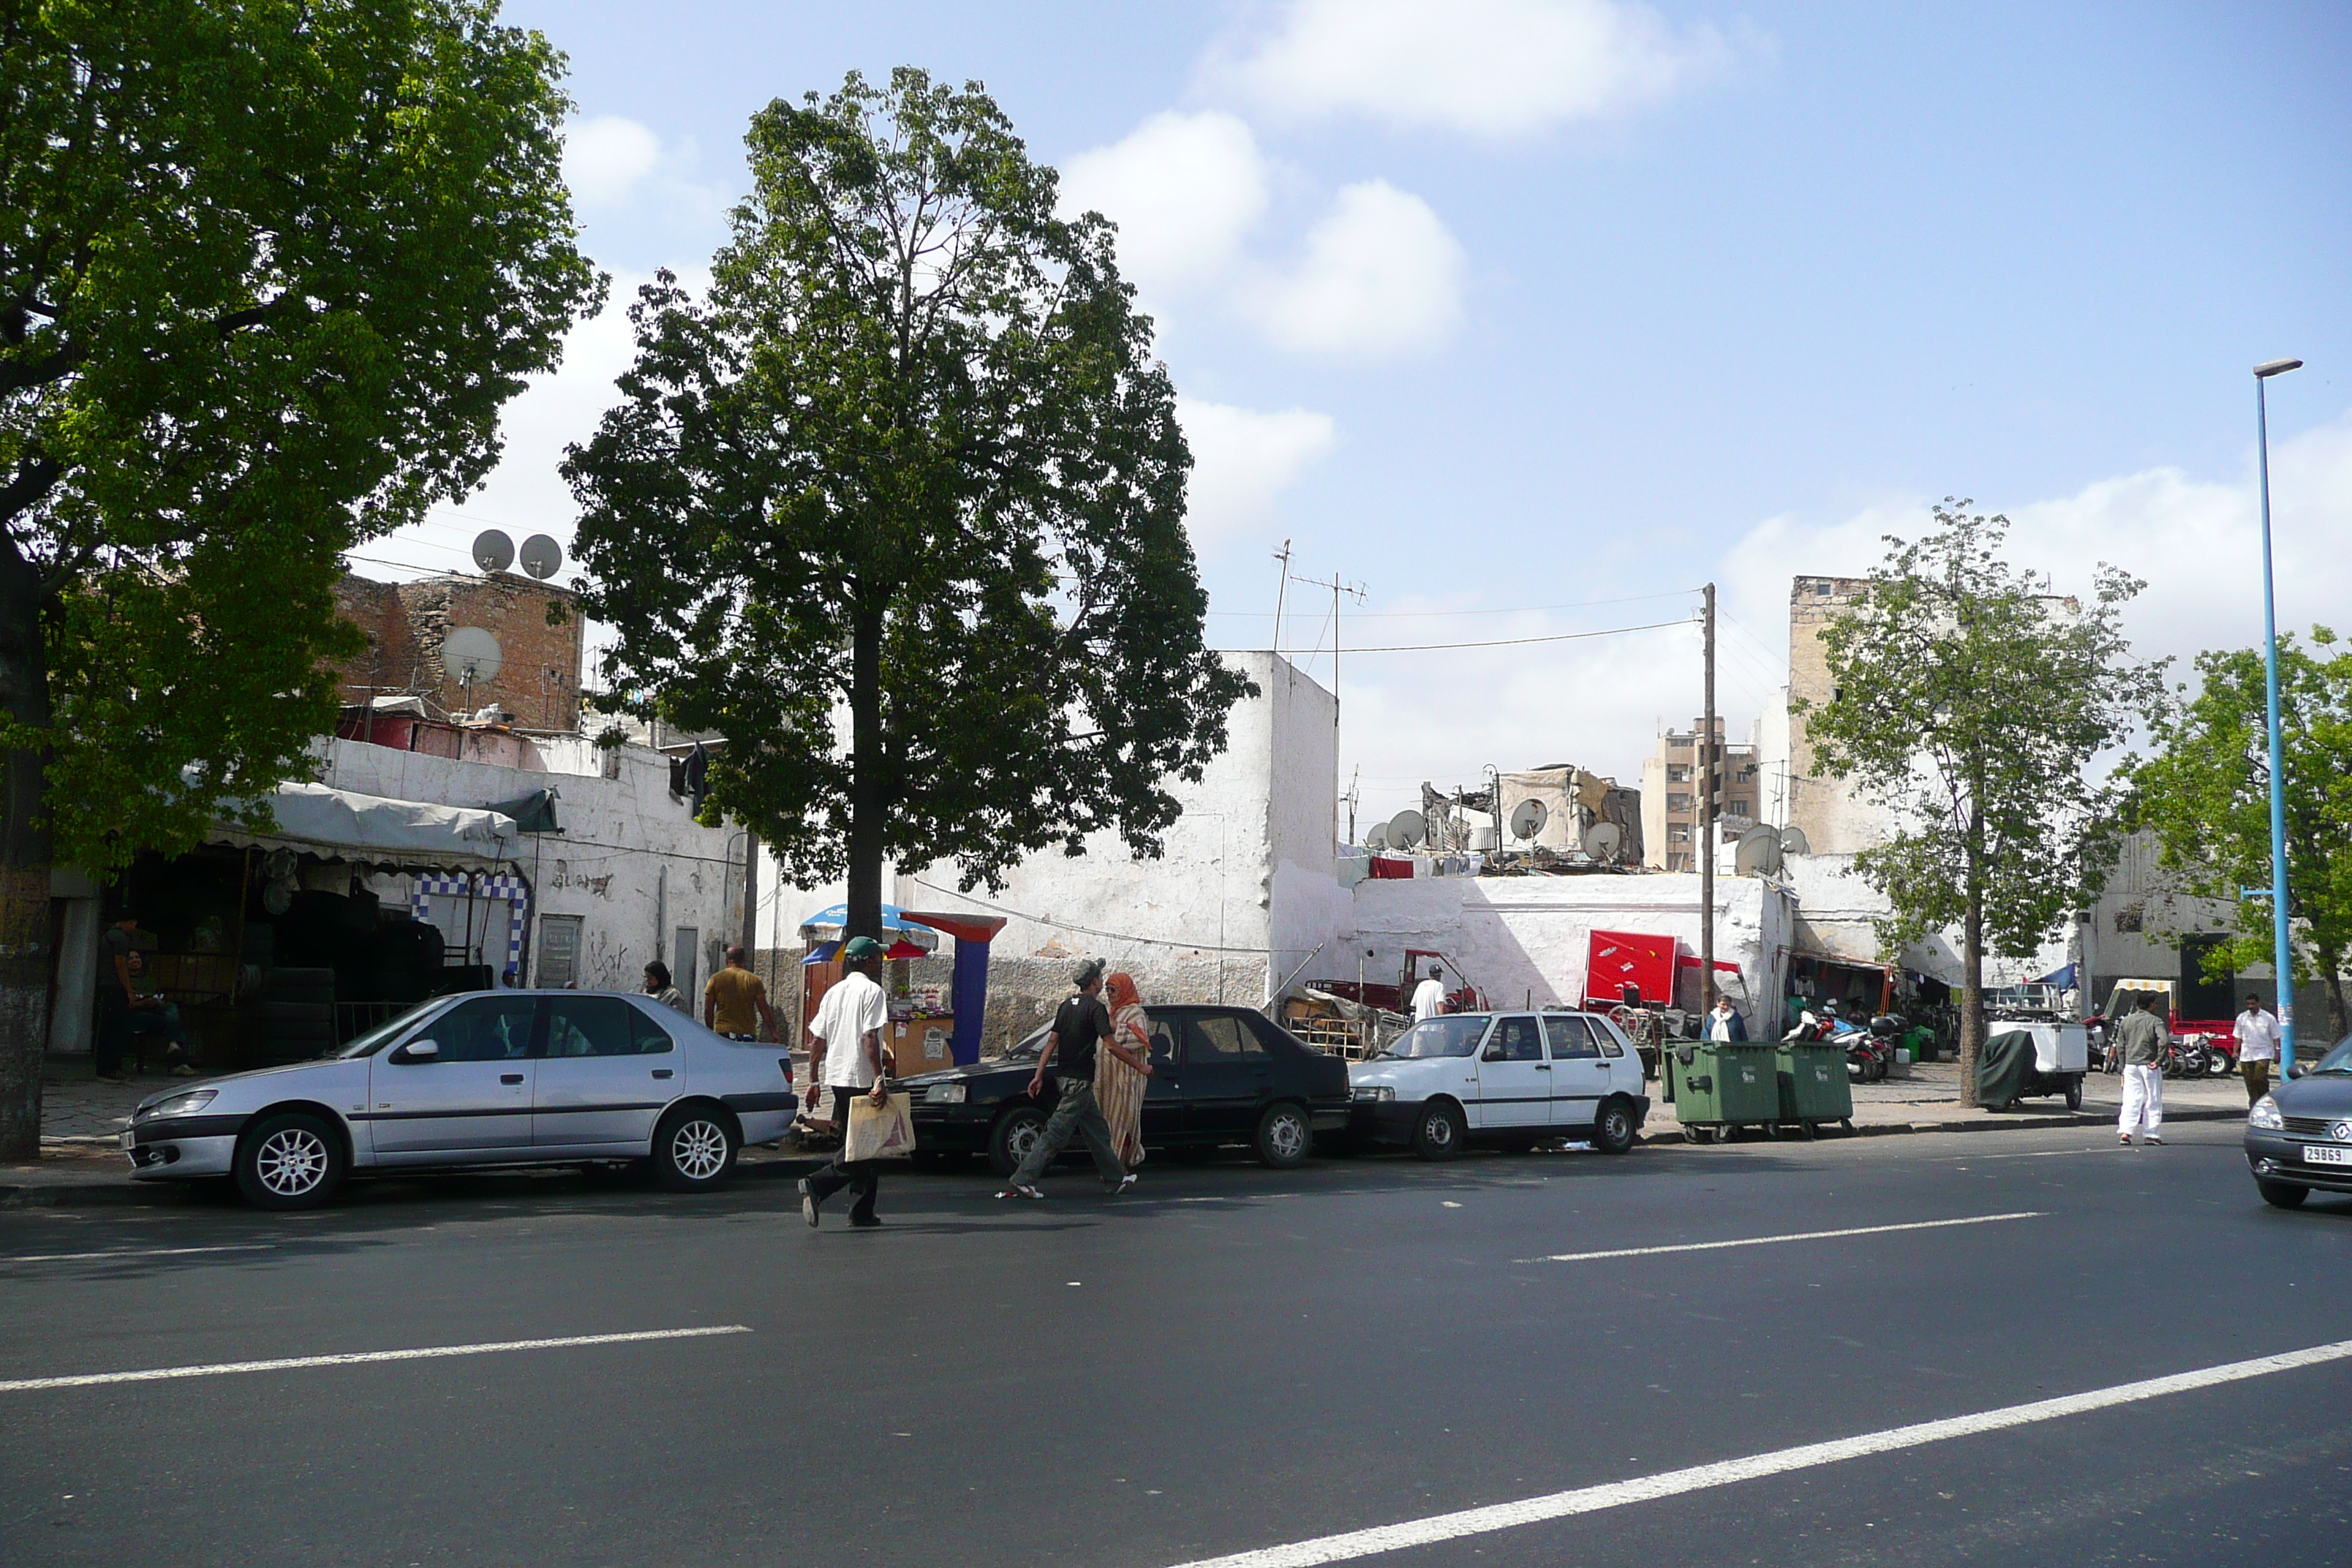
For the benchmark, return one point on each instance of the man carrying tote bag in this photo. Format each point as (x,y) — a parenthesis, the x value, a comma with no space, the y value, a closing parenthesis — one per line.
(846,1057)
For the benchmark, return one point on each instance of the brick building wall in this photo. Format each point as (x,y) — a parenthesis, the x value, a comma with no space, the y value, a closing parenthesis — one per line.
(406,623)
(1833,818)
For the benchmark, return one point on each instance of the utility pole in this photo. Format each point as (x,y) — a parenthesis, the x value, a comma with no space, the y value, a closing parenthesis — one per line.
(751,898)
(1708,785)
(1281,589)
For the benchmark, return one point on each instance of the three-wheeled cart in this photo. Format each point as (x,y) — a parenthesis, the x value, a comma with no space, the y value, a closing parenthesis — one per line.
(2026,1059)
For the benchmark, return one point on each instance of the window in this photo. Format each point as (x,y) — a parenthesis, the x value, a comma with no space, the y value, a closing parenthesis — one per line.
(1449,1036)
(1612,1039)
(1678,772)
(1678,833)
(1222,1038)
(1164,1034)
(1271,1037)
(559,952)
(1515,1040)
(1570,1036)
(590,1026)
(653,1040)
(1678,801)
(490,1029)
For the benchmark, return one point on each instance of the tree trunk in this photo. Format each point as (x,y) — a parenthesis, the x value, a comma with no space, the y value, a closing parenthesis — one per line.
(1972,1025)
(866,792)
(2337,1026)
(24,959)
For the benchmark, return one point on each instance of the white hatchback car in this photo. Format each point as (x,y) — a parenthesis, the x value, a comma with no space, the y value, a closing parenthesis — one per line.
(497,1078)
(1513,1078)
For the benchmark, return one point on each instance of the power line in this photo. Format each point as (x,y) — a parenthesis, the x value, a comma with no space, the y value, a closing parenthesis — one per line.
(1498,642)
(1518,610)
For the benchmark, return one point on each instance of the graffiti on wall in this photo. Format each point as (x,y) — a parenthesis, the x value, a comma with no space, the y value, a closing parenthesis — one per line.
(565,876)
(605,965)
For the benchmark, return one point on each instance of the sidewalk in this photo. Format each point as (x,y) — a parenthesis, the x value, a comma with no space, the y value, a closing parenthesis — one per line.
(1928,1100)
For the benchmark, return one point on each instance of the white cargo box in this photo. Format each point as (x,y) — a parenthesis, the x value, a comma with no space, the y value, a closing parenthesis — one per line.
(2057,1048)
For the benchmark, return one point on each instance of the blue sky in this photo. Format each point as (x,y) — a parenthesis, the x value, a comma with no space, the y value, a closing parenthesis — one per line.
(1498,304)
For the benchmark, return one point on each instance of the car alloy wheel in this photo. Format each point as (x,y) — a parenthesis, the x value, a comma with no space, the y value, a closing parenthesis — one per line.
(291,1162)
(698,1149)
(1283,1137)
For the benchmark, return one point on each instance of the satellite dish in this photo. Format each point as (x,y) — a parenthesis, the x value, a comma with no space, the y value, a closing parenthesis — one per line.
(1759,854)
(493,551)
(1794,842)
(541,556)
(470,656)
(1603,839)
(1406,829)
(1377,838)
(1528,818)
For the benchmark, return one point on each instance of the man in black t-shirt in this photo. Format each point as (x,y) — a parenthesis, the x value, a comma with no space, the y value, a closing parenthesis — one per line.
(1081,1026)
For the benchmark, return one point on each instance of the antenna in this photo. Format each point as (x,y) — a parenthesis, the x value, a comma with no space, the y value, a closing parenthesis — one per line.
(1758,854)
(1338,588)
(471,655)
(493,551)
(1281,589)
(1377,838)
(1528,818)
(1406,829)
(1351,798)
(1601,840)
(541,556)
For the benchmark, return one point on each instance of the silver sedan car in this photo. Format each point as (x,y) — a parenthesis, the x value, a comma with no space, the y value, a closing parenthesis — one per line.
(498,1077)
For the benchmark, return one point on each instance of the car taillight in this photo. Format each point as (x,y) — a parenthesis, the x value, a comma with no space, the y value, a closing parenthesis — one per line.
(785,1063)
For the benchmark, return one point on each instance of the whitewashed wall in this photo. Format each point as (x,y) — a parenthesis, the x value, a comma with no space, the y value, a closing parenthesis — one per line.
(1525,940)
(627,848)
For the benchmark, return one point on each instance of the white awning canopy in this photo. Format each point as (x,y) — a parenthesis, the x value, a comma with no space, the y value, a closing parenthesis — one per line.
(346,824)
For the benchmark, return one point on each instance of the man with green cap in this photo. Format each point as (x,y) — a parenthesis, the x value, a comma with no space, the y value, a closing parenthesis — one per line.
(844,1057)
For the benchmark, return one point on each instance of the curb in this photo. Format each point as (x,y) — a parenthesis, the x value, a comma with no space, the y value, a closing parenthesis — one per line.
(1999,1122)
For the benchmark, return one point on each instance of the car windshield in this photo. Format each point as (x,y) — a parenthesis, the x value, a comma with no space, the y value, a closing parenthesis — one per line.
(2339,1059)
(1028,1049)
(1455,1036)
(383,1034)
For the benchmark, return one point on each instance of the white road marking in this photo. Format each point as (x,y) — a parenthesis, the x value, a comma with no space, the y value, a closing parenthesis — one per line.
(137,1252)
(217,1369)
(1357,1543)
(1794,1235)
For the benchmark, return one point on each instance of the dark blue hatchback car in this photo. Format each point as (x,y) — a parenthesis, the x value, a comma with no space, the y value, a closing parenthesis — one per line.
(2299,1136)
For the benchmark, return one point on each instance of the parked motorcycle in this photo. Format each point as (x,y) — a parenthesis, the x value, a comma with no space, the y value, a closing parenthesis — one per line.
(2191,1057)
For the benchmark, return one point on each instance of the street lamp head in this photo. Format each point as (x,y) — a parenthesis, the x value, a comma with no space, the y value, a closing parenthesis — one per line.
(2276,367)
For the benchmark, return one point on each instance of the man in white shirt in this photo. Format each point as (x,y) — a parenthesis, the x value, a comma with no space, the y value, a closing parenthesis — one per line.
(1429,996)
(2258,1044)
(846,1057)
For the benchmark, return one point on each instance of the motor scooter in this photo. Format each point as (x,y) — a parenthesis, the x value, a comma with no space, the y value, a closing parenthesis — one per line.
(1869,1052)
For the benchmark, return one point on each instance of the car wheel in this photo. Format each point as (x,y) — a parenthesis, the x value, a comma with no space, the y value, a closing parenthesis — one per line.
(291,1161)
(1440,1132)
(2282,1194)
(1612,1127)
(1016,1133)
(694,1148)
(2074,1094)
(1284,1137)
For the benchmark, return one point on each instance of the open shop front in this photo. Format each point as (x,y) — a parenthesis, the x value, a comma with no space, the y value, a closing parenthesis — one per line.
(281,946)
(1860,990)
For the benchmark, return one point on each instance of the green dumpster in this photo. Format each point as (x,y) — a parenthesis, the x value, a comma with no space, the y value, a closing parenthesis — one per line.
(1720,1086)
(1813,1084)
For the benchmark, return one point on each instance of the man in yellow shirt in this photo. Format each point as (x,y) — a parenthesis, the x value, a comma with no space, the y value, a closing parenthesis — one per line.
(735,1003)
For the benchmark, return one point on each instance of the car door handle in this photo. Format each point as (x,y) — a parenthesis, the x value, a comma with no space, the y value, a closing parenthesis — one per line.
(509,1077)
(1543,1066)
(661,1072)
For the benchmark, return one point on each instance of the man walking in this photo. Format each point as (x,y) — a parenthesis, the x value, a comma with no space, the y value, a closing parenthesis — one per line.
(846,1057)
(735,1000)
(1429,996)
(2141,1039)
(2258,1045)
(1080,1026)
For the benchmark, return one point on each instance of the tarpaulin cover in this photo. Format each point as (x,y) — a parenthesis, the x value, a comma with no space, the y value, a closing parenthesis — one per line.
(2005,1068)
(827,924)
(1614,959)
(341,820)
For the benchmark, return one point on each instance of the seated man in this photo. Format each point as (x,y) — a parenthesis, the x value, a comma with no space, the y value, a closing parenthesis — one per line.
(147,1012)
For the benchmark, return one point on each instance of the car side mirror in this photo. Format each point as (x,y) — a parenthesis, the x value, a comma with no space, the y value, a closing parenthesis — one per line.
(2297,1071)
(418,1051)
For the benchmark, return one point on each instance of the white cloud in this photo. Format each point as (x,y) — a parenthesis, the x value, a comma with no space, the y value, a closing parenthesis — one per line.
(1380,276)
(606,158)
(1184,189)
(1242,459)
(1491,67)
(2196,543)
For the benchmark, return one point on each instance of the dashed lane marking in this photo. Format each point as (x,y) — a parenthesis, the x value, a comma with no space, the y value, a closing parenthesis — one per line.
(1359,1543)
(356,1358)
(1793,1236)
(137,1252)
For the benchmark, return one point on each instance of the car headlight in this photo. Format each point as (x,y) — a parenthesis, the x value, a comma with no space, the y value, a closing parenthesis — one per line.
(186,1104)
(946,1094)
(1374,1091)
(2265,1115)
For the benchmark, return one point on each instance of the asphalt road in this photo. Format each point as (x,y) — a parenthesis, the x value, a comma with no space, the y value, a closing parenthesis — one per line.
(1229,1360)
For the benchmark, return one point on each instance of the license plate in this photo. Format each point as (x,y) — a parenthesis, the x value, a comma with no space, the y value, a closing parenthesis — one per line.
(2321,1155)
(130,1141)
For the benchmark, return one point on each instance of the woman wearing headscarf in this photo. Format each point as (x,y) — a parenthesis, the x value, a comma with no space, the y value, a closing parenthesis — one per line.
(1118,1088)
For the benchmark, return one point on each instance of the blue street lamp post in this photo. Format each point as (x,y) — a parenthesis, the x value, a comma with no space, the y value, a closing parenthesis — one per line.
(2283,956)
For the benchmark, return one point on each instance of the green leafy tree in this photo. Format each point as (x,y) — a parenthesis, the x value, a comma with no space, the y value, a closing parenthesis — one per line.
(909,463)
(1971,704)
(268,270)
(2205,793)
